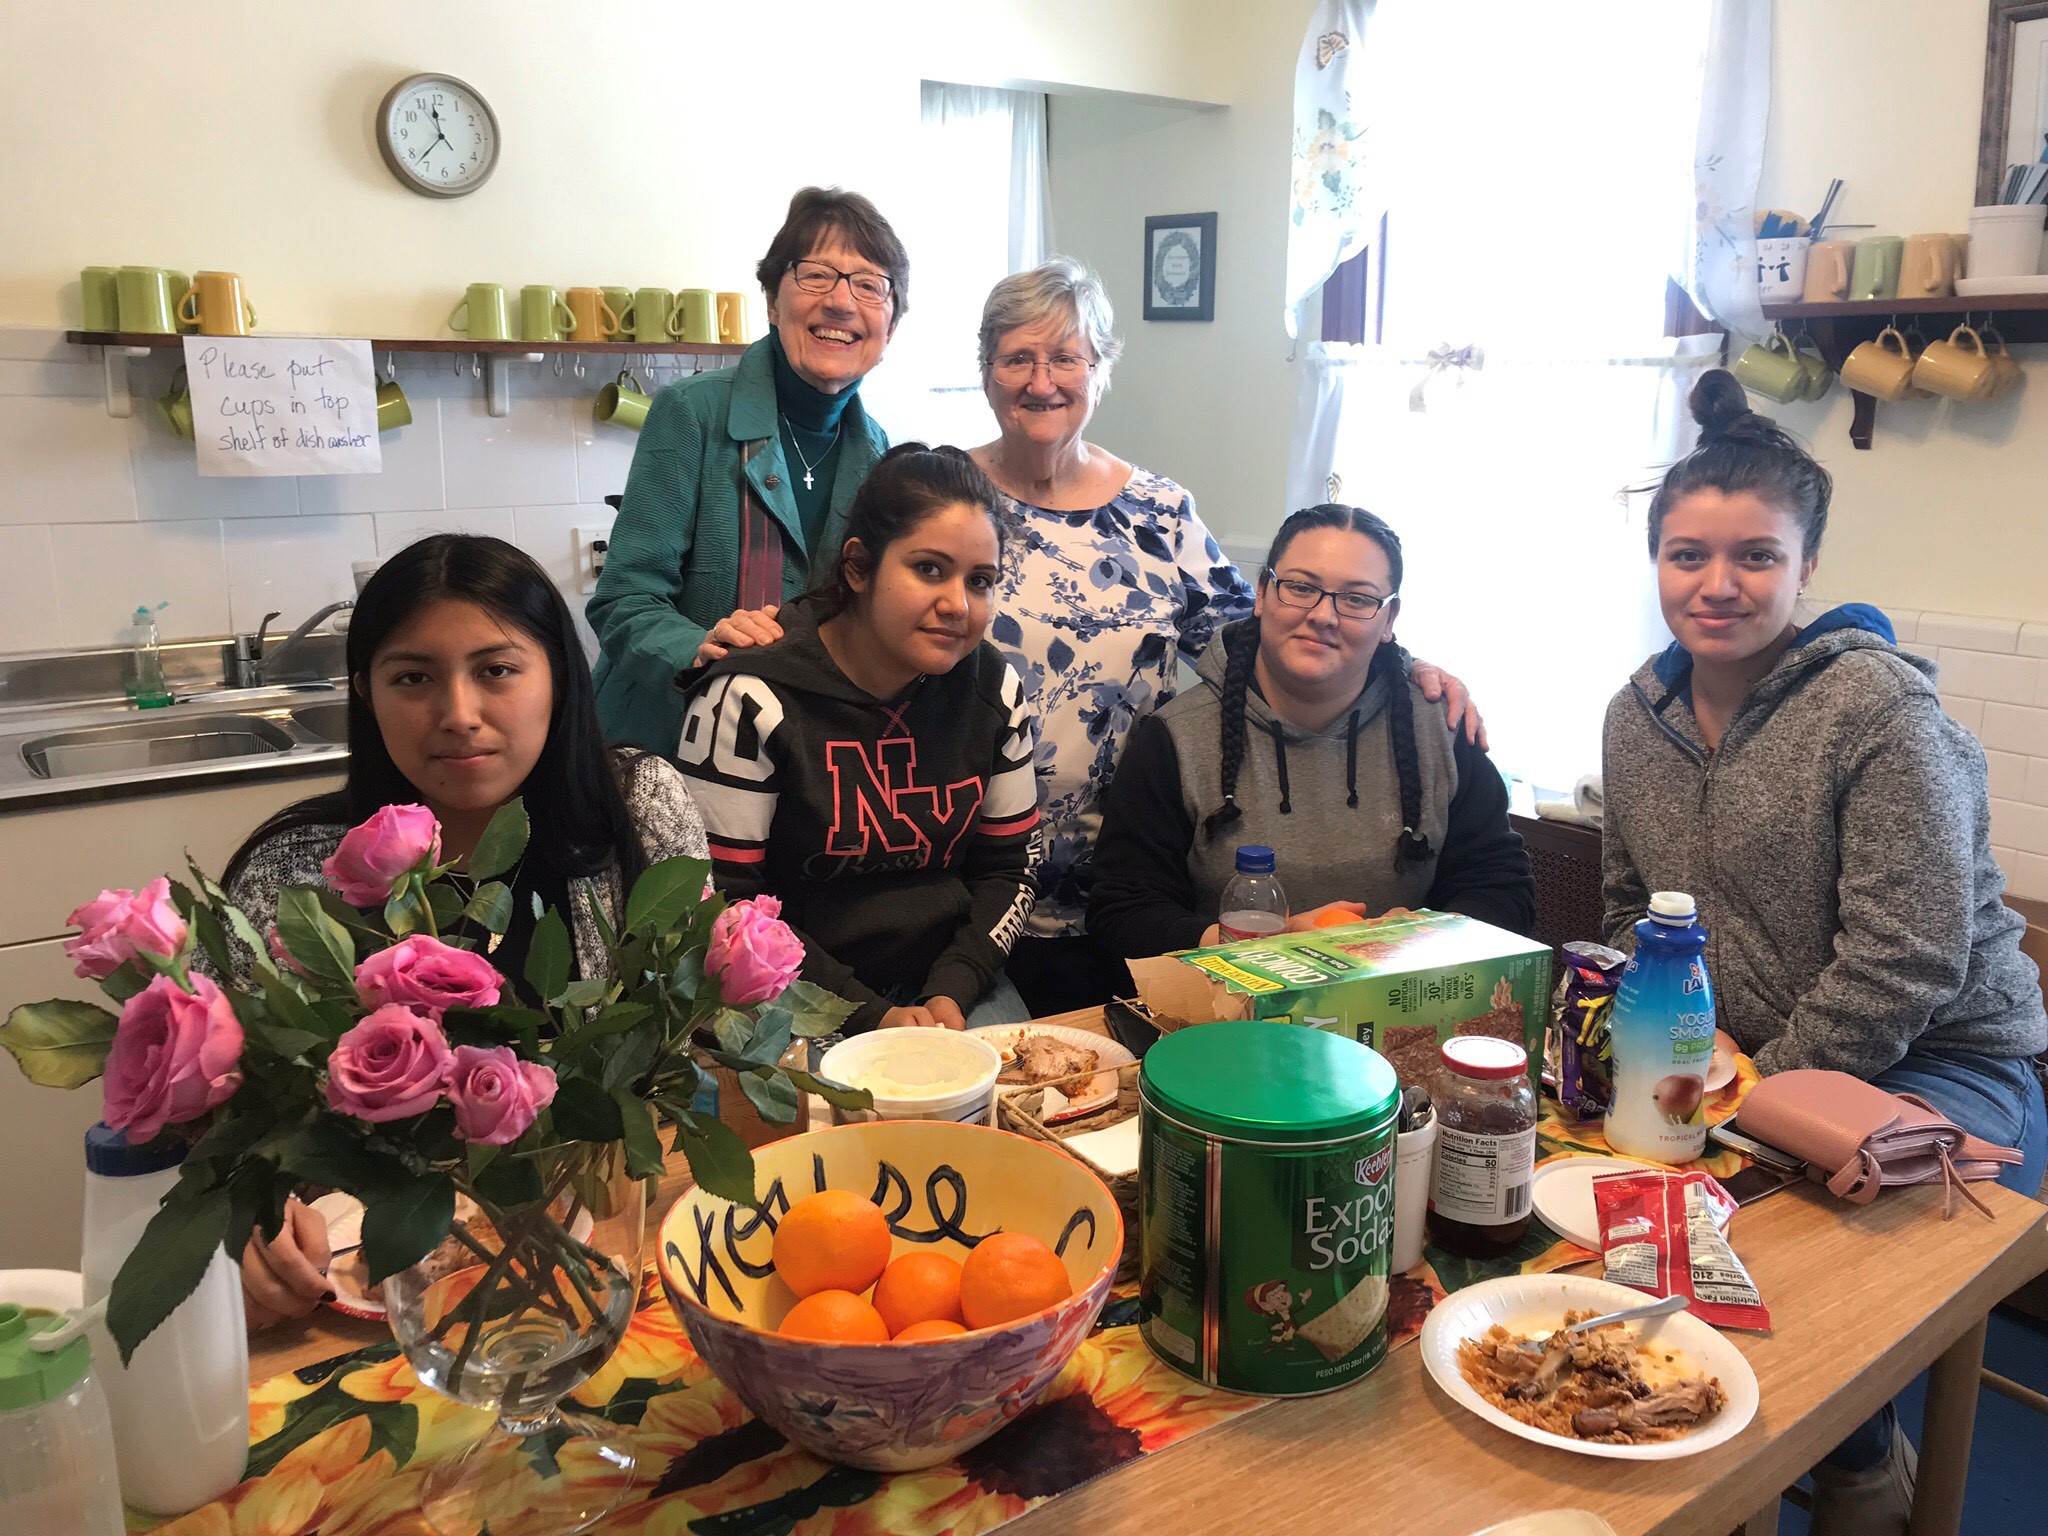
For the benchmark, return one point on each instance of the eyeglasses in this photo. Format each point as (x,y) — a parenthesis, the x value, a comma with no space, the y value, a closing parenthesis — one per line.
(1306,594)
(1065,369)
(871,288)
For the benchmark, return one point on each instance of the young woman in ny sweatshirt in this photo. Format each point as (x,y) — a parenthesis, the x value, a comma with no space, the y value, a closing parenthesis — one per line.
(872,767)
(1307,736)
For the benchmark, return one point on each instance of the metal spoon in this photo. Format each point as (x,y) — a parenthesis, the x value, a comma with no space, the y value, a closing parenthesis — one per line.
(1662,1307)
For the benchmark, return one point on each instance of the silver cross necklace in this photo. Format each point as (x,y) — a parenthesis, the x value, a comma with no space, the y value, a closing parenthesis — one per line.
(799,447)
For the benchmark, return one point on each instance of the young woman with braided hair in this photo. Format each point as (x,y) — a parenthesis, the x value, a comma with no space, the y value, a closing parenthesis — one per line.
(1307,736)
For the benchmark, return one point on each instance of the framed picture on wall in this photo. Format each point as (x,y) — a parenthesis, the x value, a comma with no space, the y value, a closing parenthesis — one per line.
(1180,266)
(2014,126)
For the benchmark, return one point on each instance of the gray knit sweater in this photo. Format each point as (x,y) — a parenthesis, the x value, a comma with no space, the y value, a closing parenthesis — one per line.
(1838,843)
(656,797)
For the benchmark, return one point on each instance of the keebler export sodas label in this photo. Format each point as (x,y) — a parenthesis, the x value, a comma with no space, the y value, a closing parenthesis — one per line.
(1266,1266)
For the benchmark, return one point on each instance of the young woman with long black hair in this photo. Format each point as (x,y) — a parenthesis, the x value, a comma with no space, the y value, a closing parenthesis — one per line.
(467,686)
(1308,736)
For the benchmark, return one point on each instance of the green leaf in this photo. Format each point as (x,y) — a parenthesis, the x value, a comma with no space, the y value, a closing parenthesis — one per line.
(490,908)
(668,890)
(205,881)
(584,994)
(125,981)
(325,1152)
(407,1225)
(687,979)
(836,1094)
(615,1020)
(480,1156)
(733,1030)
(244,930)
(503,843)
(213,938)
(813,1011)
(547,957)
(509,1181)
(630,1055)
(643,1145)
(166,1264)
(319,943)
(348,916)
(584,1111)
(406,912)
(772,1032)
(59,1043)
(445,902)
(773,1094)
(283,1041)
(598,920)
(720,1161)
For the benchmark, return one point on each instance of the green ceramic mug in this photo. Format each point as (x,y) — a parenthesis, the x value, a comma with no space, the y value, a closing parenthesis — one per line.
(393,409)
(1875,272)
(647,314)
(1772,369)
(696,316)
(1818,377)
(620,300)
(174,405)
(99,299)
(143,299)
(542,314)
(485,314)
(622,403)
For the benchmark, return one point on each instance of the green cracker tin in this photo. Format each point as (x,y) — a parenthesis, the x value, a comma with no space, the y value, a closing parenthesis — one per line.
(1266,1205)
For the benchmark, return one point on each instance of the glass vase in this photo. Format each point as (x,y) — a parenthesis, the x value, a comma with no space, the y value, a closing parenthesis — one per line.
(521,1305)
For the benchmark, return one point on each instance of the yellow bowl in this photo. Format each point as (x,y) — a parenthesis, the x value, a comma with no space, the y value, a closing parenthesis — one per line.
(944,1187)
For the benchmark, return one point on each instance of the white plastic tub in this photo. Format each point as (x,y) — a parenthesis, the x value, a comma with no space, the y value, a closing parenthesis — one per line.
(917,1074)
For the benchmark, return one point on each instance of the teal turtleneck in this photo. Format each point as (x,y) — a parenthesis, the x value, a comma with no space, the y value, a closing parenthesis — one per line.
(810,435)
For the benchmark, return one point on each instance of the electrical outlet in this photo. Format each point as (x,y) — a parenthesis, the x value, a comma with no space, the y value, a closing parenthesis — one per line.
(591,544)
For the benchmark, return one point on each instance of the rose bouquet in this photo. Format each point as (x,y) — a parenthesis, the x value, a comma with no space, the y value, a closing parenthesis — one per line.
(367,1043)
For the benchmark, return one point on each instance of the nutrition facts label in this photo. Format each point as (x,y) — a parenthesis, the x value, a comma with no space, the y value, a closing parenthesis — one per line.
(1483,1180)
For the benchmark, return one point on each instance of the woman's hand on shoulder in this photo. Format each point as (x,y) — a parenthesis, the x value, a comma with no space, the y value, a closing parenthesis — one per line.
(739,630)
(1437,685)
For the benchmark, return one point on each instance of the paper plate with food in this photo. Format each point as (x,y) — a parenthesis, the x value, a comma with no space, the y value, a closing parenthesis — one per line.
(354,1296)
(1649,1390)
(1034,1054)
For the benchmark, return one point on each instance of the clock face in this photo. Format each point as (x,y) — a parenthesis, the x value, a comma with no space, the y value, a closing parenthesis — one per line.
(438,136)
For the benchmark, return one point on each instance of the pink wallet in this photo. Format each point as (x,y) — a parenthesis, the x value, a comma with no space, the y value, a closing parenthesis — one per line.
(1857,1139)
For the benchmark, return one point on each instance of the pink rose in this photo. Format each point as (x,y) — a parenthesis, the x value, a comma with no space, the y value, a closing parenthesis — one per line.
(495,1094)
(173,1057)
(390,1065)
(422,972)
(118,923)
(373,858)
(752,952)
(282,955)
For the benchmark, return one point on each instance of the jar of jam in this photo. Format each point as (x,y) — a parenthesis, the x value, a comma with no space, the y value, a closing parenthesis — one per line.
(1479,1201)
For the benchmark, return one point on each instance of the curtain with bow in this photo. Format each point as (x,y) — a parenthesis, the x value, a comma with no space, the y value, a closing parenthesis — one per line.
(1333,212)
(1735,101)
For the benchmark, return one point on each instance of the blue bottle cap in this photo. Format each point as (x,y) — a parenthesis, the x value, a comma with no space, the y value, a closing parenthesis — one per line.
(109,1154)
(1254,859)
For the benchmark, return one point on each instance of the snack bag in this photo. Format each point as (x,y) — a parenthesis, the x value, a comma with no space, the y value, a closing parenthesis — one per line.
(1579,1050)
(1661,1234)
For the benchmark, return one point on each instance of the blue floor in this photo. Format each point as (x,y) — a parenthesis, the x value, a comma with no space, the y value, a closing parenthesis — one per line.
(2007,1477)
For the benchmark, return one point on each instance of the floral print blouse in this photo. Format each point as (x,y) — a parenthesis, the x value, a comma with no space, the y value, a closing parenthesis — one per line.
(1096,610)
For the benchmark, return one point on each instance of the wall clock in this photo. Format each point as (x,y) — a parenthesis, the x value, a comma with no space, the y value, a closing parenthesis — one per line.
(438,135)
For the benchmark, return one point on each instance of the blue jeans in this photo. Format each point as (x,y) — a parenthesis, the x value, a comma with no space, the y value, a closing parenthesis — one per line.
(1996,1098)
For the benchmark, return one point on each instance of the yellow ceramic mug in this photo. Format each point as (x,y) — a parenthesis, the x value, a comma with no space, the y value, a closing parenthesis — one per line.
(1958,368)
(1882,367)
(595,319)
(732,318)
(2005,368)
(216,305)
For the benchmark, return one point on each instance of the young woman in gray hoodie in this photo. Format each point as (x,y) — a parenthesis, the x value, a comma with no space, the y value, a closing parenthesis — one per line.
(1309,736)
(1833,824)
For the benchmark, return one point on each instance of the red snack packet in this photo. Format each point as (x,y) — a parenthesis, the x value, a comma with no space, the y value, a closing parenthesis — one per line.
(1661,1234)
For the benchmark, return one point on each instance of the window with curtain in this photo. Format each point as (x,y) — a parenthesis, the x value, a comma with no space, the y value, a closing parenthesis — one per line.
(981,216)
(1528,189)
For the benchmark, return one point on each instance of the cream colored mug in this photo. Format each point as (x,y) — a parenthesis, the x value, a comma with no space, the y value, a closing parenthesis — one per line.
(1827,271)
(1958,367)
(1927,270)
(1882,367)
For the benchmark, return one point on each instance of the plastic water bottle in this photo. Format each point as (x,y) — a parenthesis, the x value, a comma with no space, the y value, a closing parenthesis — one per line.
(56,1449)
(1254,906)
(180,1407)
(1663,1037)
(147,686)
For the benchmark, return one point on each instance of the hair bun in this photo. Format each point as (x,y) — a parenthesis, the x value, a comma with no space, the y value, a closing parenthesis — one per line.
(1719,404)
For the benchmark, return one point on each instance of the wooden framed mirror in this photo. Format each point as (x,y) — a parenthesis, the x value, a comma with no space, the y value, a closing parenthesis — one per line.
(2015,122)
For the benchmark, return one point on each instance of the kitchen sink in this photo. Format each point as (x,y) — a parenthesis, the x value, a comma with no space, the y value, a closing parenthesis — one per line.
(328,721)
(163,742)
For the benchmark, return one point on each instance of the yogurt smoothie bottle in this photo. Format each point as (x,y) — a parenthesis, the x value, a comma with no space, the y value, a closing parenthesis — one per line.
(1663,1037)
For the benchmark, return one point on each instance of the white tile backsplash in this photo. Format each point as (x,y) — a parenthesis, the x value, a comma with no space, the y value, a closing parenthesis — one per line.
(66,462)
(1980,675)
(548,534)
(528,455)
(604,453)
(30,613)
(105,571)
(1968,713)
(2014,728)
(2008,774)
(1967,632)
(168,489)
(395,530)
(292,565)
(2034,639)
(409,481)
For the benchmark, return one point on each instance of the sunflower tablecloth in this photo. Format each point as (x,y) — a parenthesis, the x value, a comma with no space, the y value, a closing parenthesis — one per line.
(340,1448)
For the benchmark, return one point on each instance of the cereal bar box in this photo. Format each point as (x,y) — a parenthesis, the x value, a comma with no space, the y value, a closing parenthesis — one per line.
(1401,985)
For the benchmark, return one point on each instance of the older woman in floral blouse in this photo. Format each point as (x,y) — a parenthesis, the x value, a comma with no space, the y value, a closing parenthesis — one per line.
(1116,579)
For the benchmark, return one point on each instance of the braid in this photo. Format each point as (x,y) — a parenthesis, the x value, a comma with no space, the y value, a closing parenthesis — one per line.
(1240,650)
(1412,846)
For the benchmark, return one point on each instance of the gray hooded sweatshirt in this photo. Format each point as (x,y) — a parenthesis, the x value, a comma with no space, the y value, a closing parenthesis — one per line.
(1838,844)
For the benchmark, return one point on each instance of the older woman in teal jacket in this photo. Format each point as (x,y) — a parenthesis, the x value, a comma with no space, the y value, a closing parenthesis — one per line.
(745,474)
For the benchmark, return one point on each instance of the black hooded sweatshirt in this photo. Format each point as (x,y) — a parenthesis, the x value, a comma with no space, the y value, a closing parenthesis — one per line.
(900,835)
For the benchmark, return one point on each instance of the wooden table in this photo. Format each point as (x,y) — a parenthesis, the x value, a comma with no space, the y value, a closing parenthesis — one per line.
(1862,1299)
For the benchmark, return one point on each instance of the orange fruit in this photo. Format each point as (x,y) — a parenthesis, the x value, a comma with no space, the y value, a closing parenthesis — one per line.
(919,1288)
(1336,917)
(837,1316)
(831,1241)
(1010,1275)
(931,1328)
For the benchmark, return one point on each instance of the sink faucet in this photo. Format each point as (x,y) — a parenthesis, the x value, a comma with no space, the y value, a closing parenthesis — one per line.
(250,666)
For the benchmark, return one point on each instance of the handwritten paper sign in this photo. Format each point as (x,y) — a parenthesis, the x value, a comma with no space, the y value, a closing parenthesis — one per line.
(283,405)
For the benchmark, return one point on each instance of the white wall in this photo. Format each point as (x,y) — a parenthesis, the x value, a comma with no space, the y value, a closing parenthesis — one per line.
(1945,511)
